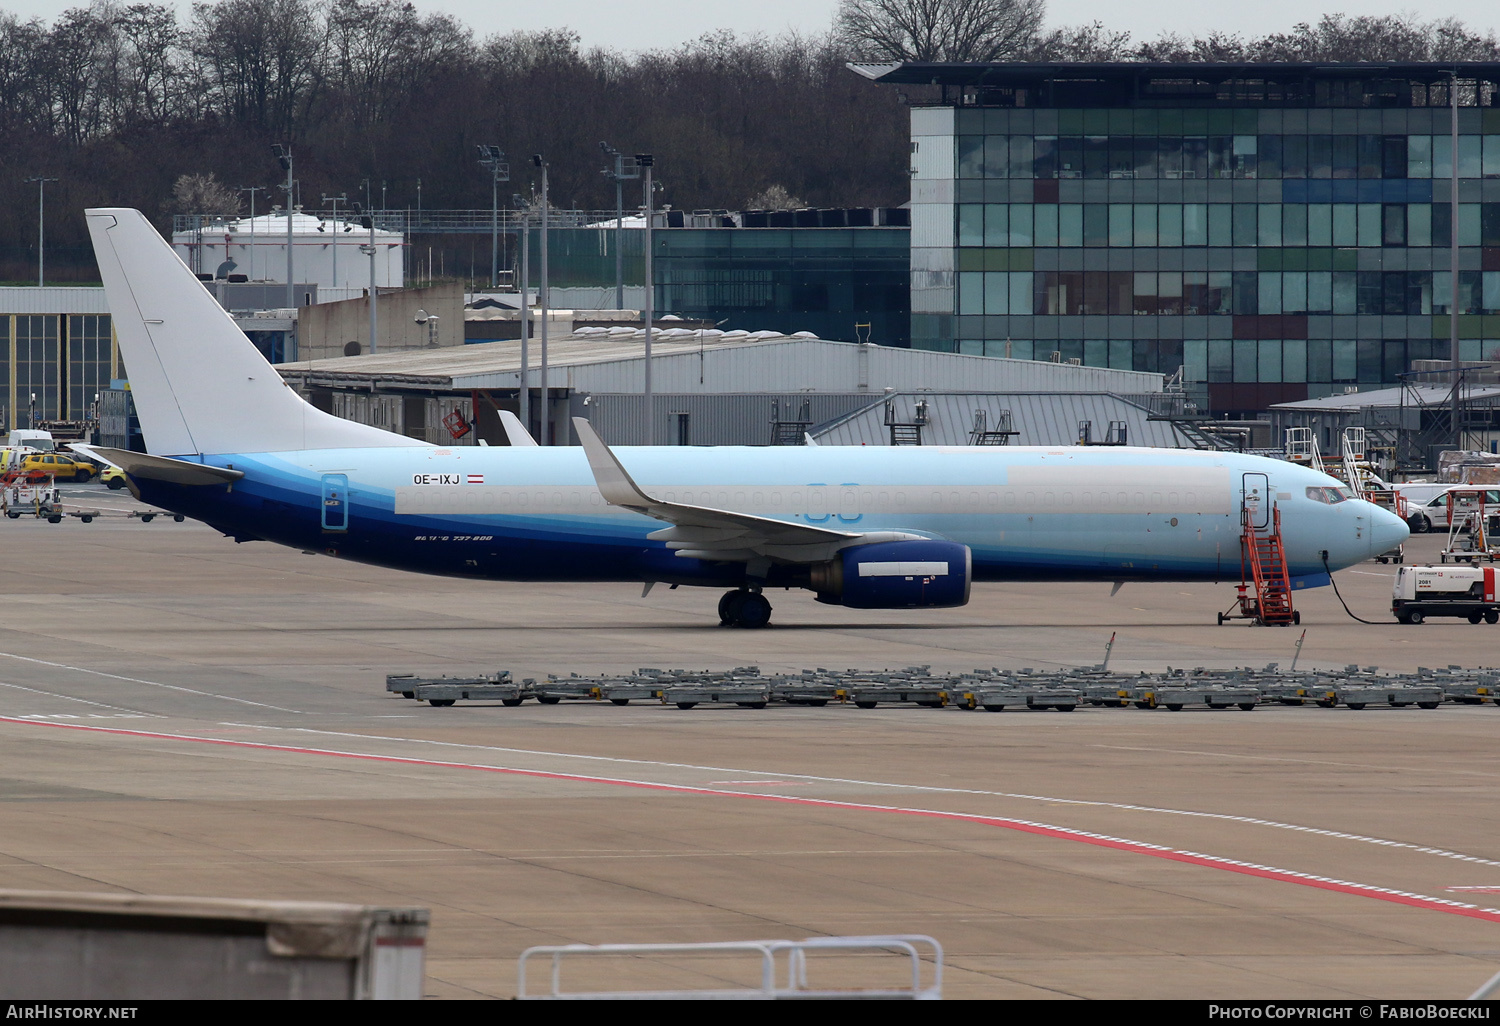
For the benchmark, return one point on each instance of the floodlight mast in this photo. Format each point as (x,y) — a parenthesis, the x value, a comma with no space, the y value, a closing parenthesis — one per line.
(546,430)
(493,159)
(369,250)
(335,200)
(524,392)
(252,190)
(284,158)
(646,161)
(41,228)
(621,173)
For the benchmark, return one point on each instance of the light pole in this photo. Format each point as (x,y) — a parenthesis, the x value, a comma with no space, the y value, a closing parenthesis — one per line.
(646,161)
(41,228)
(525,389)
(493,159)
(252,190)
(335,200)
(284,157)
(620,174)
(369,250)
(536,159)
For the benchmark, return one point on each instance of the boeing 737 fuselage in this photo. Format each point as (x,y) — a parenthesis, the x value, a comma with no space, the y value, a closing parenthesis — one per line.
(231,445)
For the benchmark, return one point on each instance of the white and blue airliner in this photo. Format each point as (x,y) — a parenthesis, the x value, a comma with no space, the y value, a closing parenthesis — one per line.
(232,445)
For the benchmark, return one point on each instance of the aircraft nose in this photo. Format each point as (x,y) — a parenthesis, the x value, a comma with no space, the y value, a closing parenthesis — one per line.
(1386,531)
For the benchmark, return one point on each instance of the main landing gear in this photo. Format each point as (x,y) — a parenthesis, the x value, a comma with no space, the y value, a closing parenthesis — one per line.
(744,608)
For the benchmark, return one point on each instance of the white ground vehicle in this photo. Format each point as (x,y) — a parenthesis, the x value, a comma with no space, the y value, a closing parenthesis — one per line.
(39,440)
(1432,515)
(1418,494)
(1463,591)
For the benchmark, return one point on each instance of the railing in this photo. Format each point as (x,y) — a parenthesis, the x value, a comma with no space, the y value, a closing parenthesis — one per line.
(782,968)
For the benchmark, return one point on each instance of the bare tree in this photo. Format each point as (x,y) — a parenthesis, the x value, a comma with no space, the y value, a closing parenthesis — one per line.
(1084,43)
(204,194)
(940,30)
(774,197)
(264,60)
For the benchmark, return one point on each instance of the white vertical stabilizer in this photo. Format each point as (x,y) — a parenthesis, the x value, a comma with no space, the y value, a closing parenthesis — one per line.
(200,386)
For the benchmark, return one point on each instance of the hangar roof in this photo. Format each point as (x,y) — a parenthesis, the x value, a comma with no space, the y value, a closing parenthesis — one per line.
(759,362)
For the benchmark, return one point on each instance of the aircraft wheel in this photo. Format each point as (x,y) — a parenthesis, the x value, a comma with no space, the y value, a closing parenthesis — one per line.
(752,611)
(728,607)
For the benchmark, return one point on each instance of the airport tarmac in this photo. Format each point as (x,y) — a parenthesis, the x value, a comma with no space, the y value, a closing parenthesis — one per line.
(183,715)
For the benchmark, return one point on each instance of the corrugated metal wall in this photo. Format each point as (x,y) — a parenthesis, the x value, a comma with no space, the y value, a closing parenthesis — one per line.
(711,419)
(1038,419)
(822,366)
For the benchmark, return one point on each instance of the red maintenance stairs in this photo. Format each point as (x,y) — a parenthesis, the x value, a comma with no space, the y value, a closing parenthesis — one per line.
(1263,568)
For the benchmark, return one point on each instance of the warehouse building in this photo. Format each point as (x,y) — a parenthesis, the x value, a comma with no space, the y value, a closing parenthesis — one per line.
(710,387)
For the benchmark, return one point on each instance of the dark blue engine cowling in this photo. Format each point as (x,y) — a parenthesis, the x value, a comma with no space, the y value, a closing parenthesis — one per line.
(896,575)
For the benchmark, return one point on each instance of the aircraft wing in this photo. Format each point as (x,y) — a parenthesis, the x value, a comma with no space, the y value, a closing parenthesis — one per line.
(702,532)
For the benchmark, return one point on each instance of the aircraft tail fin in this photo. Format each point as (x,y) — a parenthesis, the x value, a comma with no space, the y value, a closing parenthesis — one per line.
(199,384)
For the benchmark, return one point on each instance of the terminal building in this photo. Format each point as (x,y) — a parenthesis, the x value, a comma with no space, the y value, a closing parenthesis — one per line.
(1278,231)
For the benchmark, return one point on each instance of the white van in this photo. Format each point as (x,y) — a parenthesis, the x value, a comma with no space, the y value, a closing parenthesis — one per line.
(39,440)
(1433,514)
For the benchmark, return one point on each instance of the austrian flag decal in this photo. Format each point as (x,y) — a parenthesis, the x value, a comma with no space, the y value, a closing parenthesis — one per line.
(476,479)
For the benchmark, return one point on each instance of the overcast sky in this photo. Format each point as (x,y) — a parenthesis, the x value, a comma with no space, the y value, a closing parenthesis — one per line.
(664,23)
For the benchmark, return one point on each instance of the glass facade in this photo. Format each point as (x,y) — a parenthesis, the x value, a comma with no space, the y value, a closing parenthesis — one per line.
(64,360)
(1276,246)
(823,280)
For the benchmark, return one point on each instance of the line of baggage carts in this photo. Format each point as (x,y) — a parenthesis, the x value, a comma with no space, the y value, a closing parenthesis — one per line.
(993,690)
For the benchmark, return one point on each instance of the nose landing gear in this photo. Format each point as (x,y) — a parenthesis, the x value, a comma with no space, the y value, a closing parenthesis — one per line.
(744,608)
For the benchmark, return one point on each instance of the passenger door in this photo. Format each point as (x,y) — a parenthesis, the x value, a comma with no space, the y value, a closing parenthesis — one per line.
(1255,500)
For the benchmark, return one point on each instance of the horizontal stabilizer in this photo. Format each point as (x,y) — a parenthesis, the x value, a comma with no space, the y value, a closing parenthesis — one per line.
(159,468)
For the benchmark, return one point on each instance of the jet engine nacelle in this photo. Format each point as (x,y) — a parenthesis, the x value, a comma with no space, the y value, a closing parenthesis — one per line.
(896,575)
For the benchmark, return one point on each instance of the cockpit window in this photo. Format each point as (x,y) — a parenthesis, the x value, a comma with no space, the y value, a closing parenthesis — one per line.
(1328,495)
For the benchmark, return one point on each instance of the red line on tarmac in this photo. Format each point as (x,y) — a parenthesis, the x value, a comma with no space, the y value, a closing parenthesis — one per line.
(1421,901)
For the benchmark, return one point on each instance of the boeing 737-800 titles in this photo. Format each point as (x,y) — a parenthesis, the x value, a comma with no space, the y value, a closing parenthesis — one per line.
(232,445)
